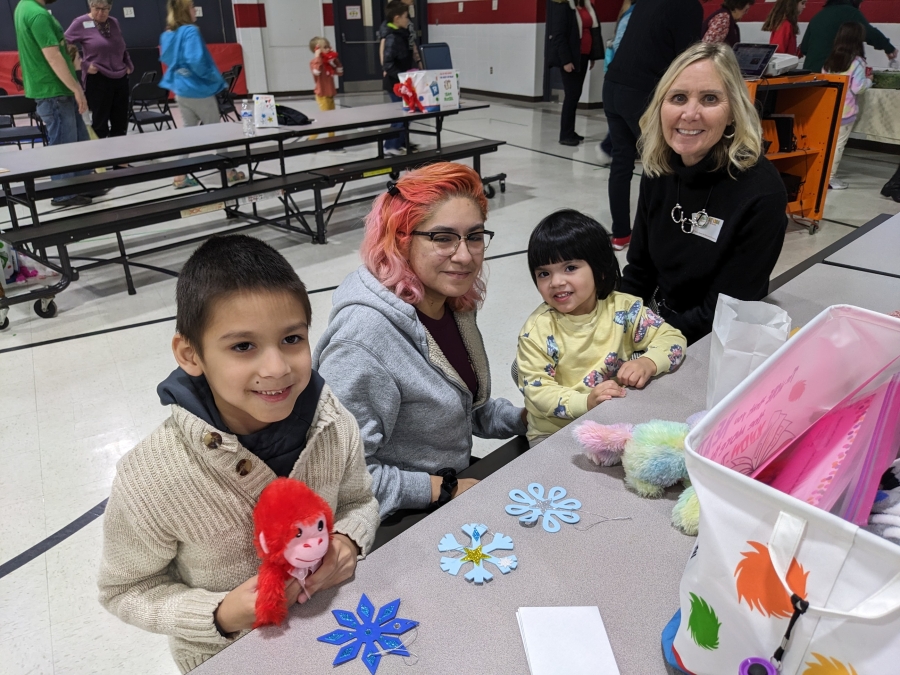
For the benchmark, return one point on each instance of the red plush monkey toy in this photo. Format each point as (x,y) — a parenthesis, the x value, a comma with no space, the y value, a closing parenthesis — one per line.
(292,525)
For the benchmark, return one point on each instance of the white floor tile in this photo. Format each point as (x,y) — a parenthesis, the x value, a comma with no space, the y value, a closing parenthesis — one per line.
(24,603)
(28,654)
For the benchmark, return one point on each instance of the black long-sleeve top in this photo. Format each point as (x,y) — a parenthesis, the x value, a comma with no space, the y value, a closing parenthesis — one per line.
(691,271)
(658,31)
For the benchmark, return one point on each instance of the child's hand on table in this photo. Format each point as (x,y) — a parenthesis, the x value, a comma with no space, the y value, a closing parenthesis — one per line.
(237,611)
(604,392)
(636,373)
(338,565)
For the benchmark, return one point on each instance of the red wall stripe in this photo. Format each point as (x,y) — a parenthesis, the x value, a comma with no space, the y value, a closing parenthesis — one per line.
(875,11)
(328,14)
(480,12)
(249,16)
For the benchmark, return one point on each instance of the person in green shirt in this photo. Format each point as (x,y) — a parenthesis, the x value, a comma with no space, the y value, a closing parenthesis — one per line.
(49,79)
(823,27)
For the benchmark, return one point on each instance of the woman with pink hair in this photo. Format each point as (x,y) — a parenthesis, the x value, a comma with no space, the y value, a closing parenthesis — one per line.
(402,351)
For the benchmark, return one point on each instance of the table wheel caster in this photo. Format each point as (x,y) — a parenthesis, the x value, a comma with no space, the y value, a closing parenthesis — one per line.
(489,191)
(4,320)
(45,308)
(395,175)
(503,186)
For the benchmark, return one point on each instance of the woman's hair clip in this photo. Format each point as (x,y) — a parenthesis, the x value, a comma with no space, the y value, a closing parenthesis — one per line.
(392,189)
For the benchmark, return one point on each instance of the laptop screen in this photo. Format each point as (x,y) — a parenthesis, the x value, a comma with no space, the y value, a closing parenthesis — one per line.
(753,58)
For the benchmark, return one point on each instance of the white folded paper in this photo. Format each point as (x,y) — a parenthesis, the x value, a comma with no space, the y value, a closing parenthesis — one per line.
(566,641)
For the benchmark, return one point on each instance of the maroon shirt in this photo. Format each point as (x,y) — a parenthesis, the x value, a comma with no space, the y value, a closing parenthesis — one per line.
(446,333)
(108,54)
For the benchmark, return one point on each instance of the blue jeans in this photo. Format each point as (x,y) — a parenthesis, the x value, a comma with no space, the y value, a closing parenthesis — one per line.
(63,123)
(400,141)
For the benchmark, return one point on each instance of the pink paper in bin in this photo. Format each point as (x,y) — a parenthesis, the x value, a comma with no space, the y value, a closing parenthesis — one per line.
(836,353)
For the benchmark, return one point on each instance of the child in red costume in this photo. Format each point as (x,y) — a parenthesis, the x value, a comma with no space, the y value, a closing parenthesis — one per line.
(324,66)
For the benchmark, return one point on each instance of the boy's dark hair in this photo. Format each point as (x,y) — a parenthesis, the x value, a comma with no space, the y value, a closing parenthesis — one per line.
(230,264)
(571,235)
(848,44)
(394,9)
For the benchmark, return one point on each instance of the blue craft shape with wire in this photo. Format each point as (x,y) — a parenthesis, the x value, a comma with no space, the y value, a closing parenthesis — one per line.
(531,507)
(477,553)
(374,633)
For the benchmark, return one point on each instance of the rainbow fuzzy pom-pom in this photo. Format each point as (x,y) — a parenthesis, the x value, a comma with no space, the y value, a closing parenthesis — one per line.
(603,443)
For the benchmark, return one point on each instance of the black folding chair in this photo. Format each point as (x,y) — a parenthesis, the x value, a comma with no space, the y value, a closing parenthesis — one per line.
(225,98)
(10,106)
(150,105)
(5,120)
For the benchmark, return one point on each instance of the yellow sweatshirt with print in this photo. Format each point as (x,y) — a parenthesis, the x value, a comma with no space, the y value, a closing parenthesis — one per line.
(561,357)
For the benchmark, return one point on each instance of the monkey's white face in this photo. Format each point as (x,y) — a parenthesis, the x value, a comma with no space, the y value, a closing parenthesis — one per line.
(310,544)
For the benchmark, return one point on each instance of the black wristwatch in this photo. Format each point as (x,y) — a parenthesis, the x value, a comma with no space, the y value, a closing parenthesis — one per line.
(447,486)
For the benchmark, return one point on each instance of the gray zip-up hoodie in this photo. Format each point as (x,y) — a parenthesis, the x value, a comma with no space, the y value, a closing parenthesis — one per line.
(415,413)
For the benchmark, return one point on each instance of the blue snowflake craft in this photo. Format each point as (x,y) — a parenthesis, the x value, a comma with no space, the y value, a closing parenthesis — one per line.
(531,507)
(477,553)
(374,633)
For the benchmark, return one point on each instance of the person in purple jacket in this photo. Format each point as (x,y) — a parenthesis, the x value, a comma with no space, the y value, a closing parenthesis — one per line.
(105,67)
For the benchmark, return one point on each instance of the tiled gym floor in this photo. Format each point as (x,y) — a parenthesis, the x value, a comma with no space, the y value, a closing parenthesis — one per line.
(71,407)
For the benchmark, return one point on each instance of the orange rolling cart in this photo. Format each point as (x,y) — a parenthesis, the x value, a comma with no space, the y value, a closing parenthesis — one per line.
(801,117)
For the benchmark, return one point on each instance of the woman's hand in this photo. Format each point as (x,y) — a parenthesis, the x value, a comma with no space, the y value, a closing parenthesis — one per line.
(604,392)
(237,611)
(636,373)
(92,69)
(338,565)
(569,67)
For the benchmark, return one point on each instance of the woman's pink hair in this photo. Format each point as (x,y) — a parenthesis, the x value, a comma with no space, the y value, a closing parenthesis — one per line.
(385,247)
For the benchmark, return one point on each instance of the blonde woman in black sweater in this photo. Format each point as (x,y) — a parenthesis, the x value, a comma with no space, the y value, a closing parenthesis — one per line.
(711,212)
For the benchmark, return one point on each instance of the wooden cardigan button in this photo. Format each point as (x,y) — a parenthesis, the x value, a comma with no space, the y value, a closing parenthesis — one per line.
(244,467)
(212,440)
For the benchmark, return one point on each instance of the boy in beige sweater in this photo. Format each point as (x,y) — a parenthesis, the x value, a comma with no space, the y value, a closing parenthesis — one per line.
(246,407)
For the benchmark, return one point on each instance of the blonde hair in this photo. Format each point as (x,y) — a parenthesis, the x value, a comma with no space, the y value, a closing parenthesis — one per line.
(741,151)
(318,40)
(178,14)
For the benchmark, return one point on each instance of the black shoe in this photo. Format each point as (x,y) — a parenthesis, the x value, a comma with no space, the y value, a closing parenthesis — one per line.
(895,195)
(97,193)
(71,200)
(569,141)
(412,147)
(891,187)
(578,136)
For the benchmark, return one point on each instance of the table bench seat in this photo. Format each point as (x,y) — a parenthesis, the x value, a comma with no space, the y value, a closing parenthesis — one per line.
(83,226)
(119,177)
(264,153)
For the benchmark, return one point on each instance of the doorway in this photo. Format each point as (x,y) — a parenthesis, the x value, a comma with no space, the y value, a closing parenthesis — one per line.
(356,25)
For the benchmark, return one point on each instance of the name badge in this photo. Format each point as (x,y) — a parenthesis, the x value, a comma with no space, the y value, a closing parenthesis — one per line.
(89,24)
(709,231)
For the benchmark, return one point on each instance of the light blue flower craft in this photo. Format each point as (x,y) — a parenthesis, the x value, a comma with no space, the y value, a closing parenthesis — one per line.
(532,506)
(377,632)
(477,553)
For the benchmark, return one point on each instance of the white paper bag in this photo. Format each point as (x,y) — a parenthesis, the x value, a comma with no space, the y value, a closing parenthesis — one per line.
(436,89)
(264,111)
(744,335)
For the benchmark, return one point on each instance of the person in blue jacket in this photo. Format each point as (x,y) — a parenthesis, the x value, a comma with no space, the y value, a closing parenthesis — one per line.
(191,74)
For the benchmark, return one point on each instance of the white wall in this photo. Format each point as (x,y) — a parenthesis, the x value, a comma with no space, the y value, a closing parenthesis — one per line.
(515,52)
(290,26)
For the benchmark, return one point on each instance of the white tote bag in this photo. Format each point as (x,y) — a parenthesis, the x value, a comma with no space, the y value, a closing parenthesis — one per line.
(744,335)
(756,546)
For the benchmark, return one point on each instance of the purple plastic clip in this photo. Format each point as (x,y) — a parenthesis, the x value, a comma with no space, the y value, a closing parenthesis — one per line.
(757,666)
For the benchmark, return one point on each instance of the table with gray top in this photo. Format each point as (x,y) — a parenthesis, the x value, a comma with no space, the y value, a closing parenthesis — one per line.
(630,569)
(877,251)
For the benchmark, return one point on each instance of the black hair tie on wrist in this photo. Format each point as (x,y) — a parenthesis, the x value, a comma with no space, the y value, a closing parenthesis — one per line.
(447,486)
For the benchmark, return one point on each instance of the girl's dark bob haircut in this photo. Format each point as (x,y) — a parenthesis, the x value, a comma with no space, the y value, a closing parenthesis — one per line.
(571,235)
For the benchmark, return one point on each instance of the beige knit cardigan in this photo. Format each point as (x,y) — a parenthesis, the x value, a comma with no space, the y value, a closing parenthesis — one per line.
(178,528)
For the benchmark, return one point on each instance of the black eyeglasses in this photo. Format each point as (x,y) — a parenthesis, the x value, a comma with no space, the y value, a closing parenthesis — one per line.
(447,243)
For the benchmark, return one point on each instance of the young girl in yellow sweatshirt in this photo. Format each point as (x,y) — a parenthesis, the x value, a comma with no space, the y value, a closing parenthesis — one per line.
(585,342)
